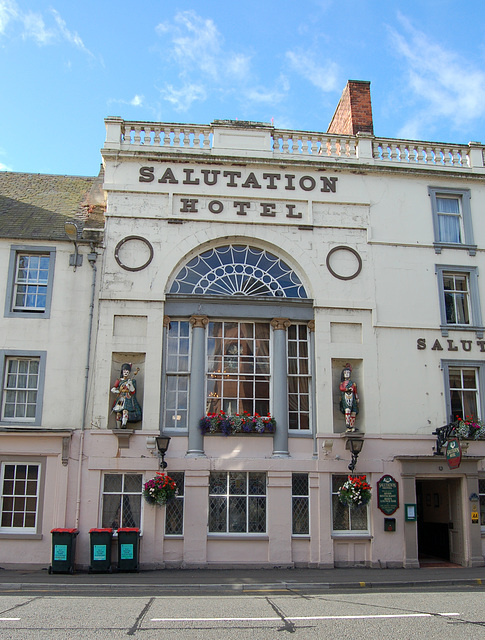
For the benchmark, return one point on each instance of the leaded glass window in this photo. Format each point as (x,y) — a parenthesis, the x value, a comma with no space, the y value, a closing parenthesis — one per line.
(234,270)
(174,510)
(300,504)
(346,519)
(122,494)
(237,502)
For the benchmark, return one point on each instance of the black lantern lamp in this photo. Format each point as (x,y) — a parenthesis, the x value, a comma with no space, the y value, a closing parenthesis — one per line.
(162,445)
(354,445)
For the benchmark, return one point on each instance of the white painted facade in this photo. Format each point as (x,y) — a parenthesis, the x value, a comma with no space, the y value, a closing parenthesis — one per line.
(365,197)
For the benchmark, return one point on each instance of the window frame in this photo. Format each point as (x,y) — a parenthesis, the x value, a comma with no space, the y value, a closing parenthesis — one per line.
(21,532)
(9,354)
(15,252)
(464,197)
(299,376)
(176,375)
(476,323)
(479,366)
(348,532)
(121,494)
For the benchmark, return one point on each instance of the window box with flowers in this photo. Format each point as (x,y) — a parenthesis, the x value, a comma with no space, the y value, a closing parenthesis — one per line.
(227,425)
(468,428)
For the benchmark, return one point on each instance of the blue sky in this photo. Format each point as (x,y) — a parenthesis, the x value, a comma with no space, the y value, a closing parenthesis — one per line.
(65,66)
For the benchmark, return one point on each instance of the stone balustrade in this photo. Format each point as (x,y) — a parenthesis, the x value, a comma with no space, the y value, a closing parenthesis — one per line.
(297,145)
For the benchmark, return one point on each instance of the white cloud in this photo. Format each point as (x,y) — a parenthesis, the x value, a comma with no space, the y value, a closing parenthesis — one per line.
(71,36)
(324,78)
(35,28)
(8,12)
(183,98)
(137,101)
(450,87)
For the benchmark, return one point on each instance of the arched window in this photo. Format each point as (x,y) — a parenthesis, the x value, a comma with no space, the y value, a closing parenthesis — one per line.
(237,330)
(238,270)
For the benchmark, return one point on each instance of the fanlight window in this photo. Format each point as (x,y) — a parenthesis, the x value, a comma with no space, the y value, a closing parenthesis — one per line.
(238,270)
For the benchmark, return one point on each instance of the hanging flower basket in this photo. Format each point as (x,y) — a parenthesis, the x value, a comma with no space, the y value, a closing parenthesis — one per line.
(237,424)
(468,429)
(159,490)
(355,492)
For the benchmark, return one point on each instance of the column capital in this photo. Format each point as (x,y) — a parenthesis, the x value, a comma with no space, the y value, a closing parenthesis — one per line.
(280,324)
(199,321)
(166,321)
(311,325)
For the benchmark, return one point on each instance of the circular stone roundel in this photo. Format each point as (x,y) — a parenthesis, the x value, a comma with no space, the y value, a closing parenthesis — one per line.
(344,263)
(133,253)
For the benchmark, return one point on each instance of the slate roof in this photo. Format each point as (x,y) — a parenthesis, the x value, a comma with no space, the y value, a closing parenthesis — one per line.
(36,206)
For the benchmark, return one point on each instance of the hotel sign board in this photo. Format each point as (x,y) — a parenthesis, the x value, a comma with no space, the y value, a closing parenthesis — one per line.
(388,495)
(453,453)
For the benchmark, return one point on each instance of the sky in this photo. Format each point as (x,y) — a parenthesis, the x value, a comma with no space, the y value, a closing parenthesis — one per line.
(66,66)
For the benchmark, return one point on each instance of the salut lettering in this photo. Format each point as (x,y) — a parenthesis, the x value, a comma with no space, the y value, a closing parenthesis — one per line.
(451,345)
(239,179)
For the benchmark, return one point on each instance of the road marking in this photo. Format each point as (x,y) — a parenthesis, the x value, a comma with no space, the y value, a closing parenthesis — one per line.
(9,619)
(360,617)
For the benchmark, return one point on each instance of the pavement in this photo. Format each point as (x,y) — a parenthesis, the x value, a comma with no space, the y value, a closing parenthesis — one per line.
(247,580)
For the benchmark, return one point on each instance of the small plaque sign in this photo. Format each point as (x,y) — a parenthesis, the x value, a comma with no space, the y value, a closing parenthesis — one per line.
(60,552)
(126,552)
(99,552)
(453,453)
(388,495)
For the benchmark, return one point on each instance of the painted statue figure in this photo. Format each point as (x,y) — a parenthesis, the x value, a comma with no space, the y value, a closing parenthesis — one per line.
(126,406)
(349,400)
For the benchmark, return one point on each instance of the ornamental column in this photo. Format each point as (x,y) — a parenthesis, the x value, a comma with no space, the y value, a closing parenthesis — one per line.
(197,385)
(280,387)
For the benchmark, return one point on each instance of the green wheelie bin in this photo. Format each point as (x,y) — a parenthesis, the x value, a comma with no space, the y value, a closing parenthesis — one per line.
(128,548)
(63,550)
(100,550)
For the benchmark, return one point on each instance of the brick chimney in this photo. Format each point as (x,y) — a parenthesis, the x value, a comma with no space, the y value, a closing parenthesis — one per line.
(354,111)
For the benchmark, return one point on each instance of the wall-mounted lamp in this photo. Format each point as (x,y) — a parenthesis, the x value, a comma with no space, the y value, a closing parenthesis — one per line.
(162,445)
(354,445)
(71,230)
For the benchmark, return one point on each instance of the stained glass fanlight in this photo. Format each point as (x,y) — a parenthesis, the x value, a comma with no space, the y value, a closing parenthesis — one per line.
(238,270)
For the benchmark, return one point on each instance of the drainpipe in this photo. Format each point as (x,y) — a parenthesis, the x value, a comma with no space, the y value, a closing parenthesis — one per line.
(92,261)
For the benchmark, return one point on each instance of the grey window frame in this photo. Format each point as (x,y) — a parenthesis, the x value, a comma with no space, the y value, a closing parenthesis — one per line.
(15,250)
(5,354)
(476,323)
(21,533)
(464,196)
(463,364)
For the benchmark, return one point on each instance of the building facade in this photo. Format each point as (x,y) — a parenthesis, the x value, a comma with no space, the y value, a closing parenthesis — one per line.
(242,269)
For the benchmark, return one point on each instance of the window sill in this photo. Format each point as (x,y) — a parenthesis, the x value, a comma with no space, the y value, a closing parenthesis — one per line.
(446,328)
(238,536)
(21,536)
(351,535)
(471,248)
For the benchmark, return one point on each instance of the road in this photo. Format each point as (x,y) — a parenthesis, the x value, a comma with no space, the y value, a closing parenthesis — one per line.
(44,612)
